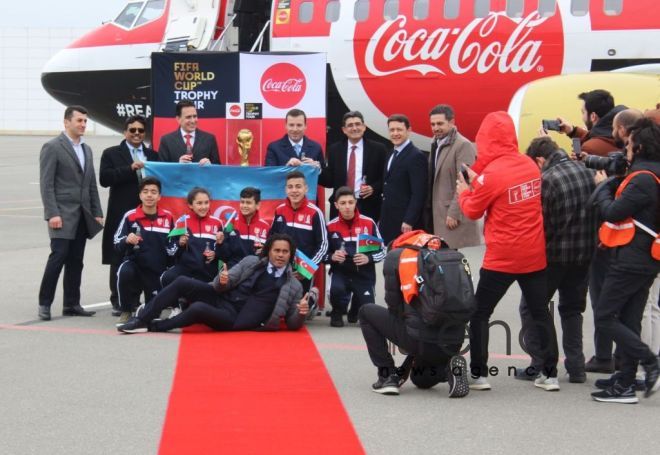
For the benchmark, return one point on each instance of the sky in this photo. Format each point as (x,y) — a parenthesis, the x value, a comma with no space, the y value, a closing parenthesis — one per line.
(59,13)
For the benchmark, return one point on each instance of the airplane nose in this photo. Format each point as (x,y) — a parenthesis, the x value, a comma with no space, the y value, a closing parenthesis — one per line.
(60,76)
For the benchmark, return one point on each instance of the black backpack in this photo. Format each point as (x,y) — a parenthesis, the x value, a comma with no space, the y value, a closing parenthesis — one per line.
(446,291)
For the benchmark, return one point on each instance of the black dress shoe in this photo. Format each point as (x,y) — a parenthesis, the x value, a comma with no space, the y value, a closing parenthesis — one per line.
(44,312)
(77,311)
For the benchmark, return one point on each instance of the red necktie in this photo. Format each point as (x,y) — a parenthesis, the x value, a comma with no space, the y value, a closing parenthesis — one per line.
(188,143)
(350,175)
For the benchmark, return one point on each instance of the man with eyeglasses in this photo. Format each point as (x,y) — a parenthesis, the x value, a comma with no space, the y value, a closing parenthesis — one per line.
(121,169)
(358,163)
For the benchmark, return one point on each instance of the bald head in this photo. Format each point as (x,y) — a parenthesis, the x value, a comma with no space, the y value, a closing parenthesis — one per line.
(622,123)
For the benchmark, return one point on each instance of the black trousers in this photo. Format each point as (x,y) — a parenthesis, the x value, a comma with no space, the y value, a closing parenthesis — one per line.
(619,316)
(178,270)
(570,280)
(206,307)
(380,326)
(67,254)
(114,294)
(597,272)
(490,290)
(132,281)
(341,288)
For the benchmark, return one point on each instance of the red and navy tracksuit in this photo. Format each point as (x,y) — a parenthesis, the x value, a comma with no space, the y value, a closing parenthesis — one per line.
(306,225)
(190,260)
(143,264)
(348,278)
(243,238)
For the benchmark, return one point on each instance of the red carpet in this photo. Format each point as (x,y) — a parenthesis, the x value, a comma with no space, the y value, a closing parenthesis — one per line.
(250,392)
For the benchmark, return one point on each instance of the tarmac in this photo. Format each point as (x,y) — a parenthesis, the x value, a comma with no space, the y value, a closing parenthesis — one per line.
(75,386)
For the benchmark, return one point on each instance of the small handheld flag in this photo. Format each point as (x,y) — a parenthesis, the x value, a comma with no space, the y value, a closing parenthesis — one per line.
(229,221)
(304,265)
(180,227)
(369,243)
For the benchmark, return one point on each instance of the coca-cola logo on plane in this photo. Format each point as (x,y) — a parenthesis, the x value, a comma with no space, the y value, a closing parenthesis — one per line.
(463,62)
(283,85)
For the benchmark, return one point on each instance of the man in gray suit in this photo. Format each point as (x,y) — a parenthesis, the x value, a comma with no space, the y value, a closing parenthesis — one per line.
(72,209)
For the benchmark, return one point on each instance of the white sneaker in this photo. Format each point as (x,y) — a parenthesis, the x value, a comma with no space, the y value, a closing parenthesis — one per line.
(312,301)
(546,383)
(481,383)
(174,312)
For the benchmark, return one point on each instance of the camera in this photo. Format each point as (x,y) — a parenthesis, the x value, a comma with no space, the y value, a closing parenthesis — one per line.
(550,125)
(614,164)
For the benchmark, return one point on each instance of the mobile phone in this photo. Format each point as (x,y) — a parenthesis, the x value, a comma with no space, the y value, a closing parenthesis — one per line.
(550,125)
(577,147)
(466,175)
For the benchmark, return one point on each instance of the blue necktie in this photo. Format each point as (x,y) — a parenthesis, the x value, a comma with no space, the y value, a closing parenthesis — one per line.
(297,148)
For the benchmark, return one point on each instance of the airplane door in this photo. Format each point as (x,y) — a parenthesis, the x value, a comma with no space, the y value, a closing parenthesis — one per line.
(191,24)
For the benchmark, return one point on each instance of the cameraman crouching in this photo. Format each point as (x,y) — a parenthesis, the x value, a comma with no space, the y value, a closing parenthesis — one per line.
(433,352)
(632,267)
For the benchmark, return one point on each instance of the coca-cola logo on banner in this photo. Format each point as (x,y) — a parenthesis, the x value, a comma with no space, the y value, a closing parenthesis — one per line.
(469,63)
(283,85)
(234,110)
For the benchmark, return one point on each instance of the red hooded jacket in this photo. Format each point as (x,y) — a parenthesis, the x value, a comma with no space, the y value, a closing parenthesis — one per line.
(508,191)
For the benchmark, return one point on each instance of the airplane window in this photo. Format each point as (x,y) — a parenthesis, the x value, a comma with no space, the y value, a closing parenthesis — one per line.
(452,8)
(391,9)
(514,8)
(613,7)
(128,14)
(306,12)
(546,8)
(579,7)
(481,8)
(332,10)
(421,9)
(151,11)
(361,10)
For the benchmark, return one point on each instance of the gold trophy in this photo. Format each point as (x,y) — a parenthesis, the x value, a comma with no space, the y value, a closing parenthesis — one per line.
(244,140)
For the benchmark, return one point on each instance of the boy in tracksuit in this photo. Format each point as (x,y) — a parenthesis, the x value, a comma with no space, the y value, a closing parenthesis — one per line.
(305,223)
(352,272)
(142,240)
(245,231)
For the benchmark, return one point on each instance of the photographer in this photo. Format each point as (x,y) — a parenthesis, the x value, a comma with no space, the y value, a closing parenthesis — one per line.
(570,239)
(632,269)
(615,164)
(598,112)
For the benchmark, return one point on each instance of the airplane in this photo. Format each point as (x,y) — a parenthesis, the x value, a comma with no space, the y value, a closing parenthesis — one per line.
(384,56)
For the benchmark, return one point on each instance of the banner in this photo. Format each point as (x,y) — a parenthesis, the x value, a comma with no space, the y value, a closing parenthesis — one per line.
(241,98)
(225,184)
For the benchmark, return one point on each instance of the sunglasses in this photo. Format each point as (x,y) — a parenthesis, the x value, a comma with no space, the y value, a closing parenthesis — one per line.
(136,130)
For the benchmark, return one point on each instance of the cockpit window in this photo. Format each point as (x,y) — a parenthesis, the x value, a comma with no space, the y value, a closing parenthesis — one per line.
(128,15)
(152,10)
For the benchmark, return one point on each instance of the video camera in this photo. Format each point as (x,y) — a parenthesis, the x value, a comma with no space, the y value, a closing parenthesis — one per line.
(614,164)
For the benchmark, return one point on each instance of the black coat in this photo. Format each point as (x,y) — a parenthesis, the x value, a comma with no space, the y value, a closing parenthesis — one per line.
(373,166)
(172,146)
(115,173)
(404,192)
(640,201)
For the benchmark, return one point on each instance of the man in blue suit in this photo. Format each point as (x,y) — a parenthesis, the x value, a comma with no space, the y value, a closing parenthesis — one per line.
(295,149)
(404,186)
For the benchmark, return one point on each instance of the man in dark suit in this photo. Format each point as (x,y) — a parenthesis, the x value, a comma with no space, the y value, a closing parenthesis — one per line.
(188,144)
(404,187)
(122,168)
(72,209)
(358,163)
(295,149)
